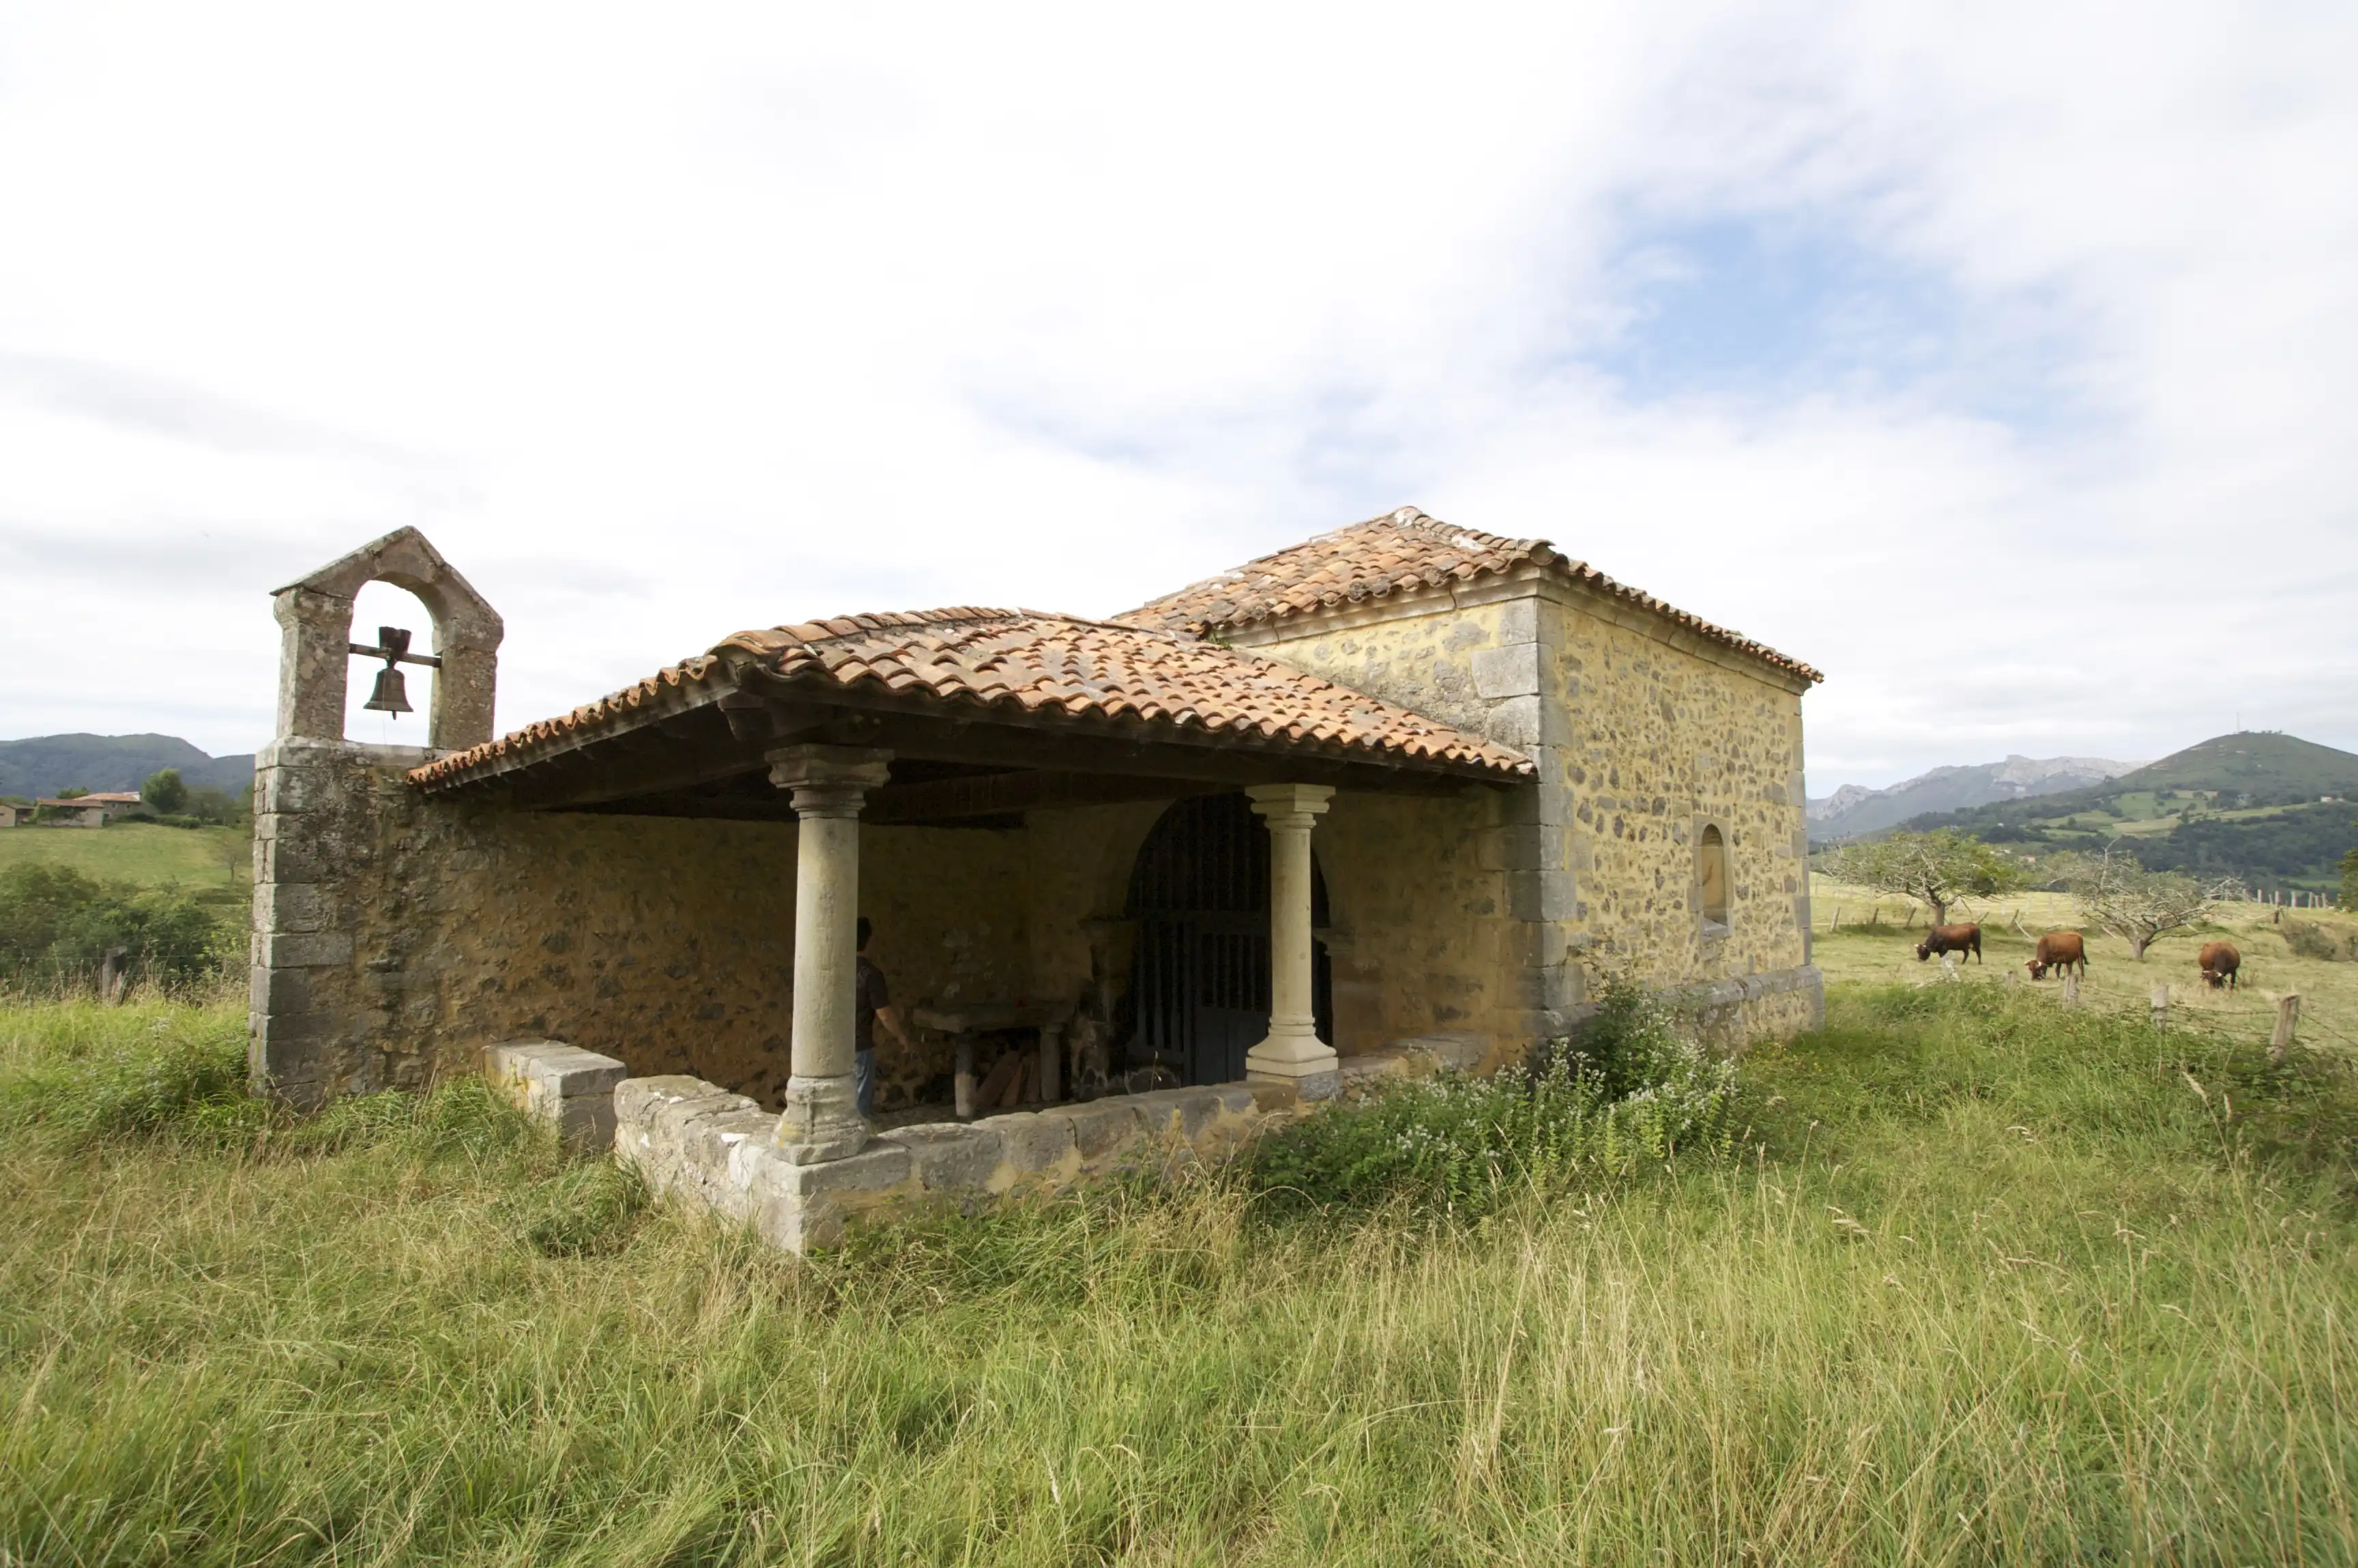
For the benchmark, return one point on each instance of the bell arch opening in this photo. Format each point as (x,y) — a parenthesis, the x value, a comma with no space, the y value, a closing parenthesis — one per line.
(1199,906)
(372,685)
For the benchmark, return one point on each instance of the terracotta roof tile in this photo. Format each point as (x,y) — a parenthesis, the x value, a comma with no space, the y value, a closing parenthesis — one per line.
(1398,552)
(970,657)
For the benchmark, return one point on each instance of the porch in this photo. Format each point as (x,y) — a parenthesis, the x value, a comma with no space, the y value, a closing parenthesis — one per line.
(1084,878)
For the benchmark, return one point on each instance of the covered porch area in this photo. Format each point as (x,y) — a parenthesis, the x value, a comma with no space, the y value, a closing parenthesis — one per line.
(1092,854)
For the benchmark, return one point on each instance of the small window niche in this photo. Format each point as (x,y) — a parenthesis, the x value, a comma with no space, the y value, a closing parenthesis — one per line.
(1711,879)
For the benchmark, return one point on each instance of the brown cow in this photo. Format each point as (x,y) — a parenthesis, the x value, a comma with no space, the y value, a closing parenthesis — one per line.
(2220,962)
(1951,939)
(2059,950)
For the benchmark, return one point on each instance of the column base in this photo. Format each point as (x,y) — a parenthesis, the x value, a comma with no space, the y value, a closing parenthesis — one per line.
(1303,1061)
(821,1121)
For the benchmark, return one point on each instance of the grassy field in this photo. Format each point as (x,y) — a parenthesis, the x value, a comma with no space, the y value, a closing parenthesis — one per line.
(1885,952)
(197,858)
(1986,1281)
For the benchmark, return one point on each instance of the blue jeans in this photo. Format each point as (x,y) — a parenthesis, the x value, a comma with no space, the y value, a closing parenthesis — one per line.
(863,1081)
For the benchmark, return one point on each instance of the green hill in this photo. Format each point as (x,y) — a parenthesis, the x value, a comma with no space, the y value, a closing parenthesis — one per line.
(2247,769)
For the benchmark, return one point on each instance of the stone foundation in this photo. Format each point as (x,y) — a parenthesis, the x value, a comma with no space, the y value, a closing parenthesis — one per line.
(1776,1005)
(696,1142)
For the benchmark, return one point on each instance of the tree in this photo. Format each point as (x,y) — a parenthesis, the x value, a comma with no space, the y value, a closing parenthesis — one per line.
(2350,879)
(164,791)
(2133,903)
(1942,868)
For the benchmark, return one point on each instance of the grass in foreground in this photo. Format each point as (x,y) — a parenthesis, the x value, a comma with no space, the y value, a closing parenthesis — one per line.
(1989,1283)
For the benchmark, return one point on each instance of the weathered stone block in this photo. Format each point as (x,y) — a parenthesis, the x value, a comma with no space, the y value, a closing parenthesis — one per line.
(1100,1127)
(876,1169)
(1180,1113)
(714,1150)
(636,1099)
(280,992)
(1511,671)
(585,1122)
(290,907)
(293,857)
(1269,1097)
(305,950)
(951,1157)
(1035,1144)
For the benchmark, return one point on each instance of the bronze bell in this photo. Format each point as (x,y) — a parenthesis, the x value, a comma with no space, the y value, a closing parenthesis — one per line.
(391,695)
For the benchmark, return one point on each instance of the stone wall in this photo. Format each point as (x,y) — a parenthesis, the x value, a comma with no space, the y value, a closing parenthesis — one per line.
(699,1144)
(1422,940)
(1644,734)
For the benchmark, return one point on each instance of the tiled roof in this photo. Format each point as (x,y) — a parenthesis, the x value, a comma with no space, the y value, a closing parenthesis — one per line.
(1403,551)
(1024,662)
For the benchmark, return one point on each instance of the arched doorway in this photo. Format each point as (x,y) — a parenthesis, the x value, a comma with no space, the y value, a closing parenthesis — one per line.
(1199,893)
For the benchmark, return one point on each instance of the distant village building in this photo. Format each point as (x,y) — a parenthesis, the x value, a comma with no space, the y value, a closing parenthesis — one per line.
(1385,799)
(87,810)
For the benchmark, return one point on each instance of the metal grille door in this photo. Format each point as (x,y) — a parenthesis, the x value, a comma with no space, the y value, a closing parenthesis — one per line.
(1200,895)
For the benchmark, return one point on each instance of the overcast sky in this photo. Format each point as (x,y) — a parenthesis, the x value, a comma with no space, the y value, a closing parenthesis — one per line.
(2000,362)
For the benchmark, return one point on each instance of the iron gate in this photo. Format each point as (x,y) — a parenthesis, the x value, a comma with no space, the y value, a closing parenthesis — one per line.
(1199,893)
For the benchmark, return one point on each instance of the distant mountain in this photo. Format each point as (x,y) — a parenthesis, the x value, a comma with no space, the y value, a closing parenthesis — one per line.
(1853,810)
(1834,804)
(2273,810)
(48,763)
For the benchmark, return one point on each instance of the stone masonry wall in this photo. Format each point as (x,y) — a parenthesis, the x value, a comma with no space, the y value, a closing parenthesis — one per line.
(1424,942)
(1640,743)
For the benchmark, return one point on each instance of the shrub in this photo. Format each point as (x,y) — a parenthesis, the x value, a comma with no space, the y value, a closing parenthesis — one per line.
(56,926)
(1633,1086)
(2311,939)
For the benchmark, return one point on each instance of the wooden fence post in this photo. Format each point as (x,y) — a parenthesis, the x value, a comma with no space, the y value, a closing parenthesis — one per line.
(2070,989)
(2287,1015)
(2162,1006)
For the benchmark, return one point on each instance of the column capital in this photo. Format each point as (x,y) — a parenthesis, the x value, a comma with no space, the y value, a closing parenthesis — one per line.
(1289,805)
(829,781)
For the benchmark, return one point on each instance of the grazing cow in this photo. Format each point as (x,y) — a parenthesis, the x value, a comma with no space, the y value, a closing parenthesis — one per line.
(2059,950)
(2220,962)
(1951,939)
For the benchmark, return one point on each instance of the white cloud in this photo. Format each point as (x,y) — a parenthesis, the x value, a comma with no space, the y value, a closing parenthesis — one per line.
(714,318)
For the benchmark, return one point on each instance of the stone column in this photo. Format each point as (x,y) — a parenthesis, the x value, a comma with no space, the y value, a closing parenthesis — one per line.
(830,784)
(1293,1053)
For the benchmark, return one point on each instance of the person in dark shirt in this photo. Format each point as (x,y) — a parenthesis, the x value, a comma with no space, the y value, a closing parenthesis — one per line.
(871,1005)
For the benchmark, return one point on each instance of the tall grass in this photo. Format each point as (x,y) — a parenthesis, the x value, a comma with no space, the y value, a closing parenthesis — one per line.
(1988,1283)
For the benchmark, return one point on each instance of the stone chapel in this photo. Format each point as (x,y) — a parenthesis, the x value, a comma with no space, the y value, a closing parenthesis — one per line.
(1386,797)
